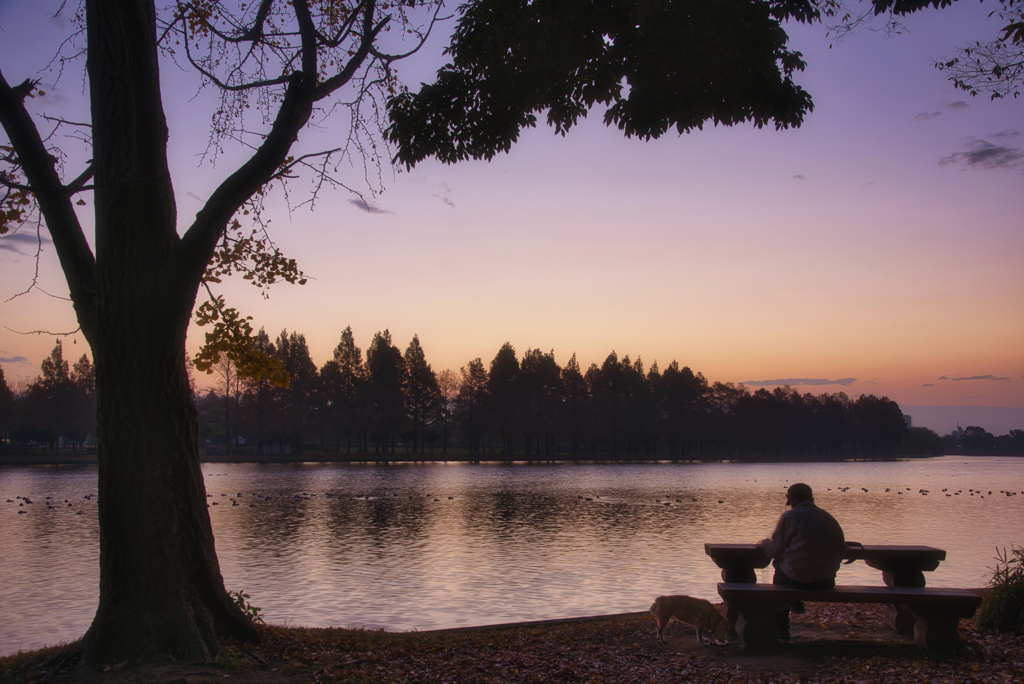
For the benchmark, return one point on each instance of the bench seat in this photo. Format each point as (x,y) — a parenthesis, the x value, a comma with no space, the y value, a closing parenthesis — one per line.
(936,611)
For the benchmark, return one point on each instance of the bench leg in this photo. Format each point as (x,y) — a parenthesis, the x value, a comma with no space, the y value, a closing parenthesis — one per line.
(897,617)
(900,619)
(755,624)
(903,578)
(740,574)
(935,627)
(731,614)
(746,575)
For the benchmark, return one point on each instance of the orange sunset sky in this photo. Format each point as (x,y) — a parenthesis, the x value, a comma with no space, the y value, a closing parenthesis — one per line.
(879,245)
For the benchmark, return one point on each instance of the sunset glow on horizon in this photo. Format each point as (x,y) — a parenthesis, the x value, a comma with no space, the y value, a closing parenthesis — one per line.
(871,246)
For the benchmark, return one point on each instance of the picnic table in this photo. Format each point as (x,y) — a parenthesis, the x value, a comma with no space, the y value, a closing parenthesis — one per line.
(901,566)
(930,614)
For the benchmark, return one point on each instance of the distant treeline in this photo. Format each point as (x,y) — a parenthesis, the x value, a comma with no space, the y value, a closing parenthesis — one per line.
(59,405)
(394,402)
(530,408)
(977,440)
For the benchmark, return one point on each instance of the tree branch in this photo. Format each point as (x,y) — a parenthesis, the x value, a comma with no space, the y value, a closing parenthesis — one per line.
(79,183)
(345,75)
(283,78)
(343,30)
(39,167)
(295,110)
(22,90)
(307,32)
(201,238)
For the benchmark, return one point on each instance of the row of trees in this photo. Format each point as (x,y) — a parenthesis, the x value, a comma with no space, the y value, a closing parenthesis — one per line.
(532,406)
(58,406)
(978,439)
(972,440)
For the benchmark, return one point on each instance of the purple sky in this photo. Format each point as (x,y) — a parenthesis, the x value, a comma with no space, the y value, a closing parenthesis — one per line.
(878,245)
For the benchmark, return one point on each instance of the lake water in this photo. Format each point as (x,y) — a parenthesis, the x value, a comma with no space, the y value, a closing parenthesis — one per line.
(418,547)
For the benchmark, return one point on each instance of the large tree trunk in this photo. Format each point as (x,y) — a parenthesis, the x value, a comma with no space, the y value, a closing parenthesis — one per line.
(161,591)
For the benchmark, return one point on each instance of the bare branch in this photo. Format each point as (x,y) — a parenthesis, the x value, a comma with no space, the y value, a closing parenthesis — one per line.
(58,120)
(39,167)
(422,35)
(370,33)
(283,78)
(78,184)
(35,275)
(44,332)
(343,30)
(22,90)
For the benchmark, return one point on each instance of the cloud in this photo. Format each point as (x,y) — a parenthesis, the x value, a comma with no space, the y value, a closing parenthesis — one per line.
(194,196)
(16,360)
(977,377)
(800,381)
(11,243)
(61,21)
(986,155)
(1007,134)
(927,384)
(800,176)
(441,192)
(368,207)
(957,106)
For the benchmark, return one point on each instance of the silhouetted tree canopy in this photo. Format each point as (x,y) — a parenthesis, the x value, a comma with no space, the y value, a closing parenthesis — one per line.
(421,391)
(386,378)
(531,408)
(653,65)
(59,405)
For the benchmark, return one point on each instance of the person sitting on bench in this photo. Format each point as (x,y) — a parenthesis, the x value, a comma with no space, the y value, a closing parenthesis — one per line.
(806,549)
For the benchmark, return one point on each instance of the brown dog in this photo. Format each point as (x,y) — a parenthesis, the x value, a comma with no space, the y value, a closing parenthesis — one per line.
(694,611)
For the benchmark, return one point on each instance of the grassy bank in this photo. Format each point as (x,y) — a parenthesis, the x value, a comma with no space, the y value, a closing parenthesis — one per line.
(832,643)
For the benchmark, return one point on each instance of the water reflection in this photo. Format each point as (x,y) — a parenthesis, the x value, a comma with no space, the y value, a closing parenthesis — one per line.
(429,546)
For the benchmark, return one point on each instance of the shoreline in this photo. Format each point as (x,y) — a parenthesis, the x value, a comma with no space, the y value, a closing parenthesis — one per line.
(395,459)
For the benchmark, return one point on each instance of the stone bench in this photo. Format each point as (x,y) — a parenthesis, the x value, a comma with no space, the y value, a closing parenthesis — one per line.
(937,611)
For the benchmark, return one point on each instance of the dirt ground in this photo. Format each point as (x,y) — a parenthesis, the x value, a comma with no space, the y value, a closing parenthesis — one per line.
(831,643)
